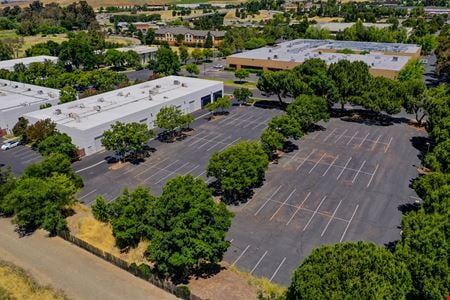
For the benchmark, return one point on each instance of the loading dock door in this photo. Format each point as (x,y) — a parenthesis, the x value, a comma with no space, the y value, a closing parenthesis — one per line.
(206,100)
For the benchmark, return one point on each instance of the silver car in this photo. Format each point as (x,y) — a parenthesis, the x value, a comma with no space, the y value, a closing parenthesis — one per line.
(10,145)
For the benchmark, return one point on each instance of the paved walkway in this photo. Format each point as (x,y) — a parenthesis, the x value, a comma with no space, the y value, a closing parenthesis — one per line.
(81,275)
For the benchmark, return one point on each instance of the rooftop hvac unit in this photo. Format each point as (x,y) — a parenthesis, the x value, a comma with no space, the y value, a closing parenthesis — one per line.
(395,58)
(270,50)
(165,97)
(24,103)
(74,116)
(120,94)
(97,107)
(158,86)
(128,94)
(16,86)
(57,111)
(40,92)
(184,84)
(81,105)
(101,100)
(51,95)
(29,89)
(176,82)
(275,56)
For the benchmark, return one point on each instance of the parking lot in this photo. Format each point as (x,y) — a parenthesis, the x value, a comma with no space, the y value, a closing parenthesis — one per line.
(188,156)
(19,158)
(343,183)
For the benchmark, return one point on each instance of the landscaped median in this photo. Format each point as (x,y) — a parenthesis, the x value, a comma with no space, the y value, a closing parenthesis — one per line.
(229,283)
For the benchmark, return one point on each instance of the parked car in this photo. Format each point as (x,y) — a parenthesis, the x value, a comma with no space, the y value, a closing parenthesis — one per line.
(10,145)
(218,67)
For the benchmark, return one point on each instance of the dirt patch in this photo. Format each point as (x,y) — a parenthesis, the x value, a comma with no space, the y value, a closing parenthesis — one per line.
(423,171)
(118,166)
(16,283)
(416,126)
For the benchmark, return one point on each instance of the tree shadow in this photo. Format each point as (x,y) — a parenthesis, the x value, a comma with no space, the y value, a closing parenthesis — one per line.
(207,271)
(423,144)
(270,104)
(408,207)
(391,245)
(289,147)
(367,117)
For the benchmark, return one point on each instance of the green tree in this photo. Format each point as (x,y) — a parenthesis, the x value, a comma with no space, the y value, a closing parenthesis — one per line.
(186,120)
(131,216)
(6,51)
(114,58)
(271,141)
(428,43)
(149,38)
(438,160)
(242,95)
(58,143)
(434,189)
(7,184)
(208,41)
(197,54)
(169,118)
(192,69)
(67,94)
(184,54)
(413,70)
(350,270)
(40,130)
(100,209)
(381,94)
(350,80)
(438,111)
(126,137)
(238,169)
(415,98)
(274,83)
(424,248)
(307,110)
(190,228)
(207,53)
(241,74)
(166,62)
(287,125)
(20,129)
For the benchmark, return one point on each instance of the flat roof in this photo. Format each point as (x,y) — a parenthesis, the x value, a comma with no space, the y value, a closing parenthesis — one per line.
(140,49)
(108,107)
(303,49)
(14,95)
(9,64)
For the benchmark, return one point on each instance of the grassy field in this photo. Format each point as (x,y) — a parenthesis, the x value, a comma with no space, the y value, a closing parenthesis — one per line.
(263,15)
(15,283)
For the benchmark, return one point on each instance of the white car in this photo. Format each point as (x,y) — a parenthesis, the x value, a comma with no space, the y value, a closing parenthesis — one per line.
(10,145)
(218,67)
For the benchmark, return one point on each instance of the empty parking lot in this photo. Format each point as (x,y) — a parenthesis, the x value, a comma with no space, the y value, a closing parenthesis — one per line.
(343,183)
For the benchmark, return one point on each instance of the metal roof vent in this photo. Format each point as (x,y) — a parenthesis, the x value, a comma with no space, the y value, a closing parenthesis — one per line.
(270,50)
(158,86)
(29,89)
(16,86)
(184,84)
(275,56)
(120,94)
(176,82)
(57,111)
(24,103)
(81,105)
(395,58)
(101,100)
(165,97)
(97,107)
(40,92)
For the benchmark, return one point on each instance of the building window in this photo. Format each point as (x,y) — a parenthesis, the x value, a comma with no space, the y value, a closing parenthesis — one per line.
(206,100)
(217,94)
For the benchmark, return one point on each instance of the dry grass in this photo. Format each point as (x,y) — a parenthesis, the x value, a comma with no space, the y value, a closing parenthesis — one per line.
(84,226)
(326,19)
(15,283)
(263,16)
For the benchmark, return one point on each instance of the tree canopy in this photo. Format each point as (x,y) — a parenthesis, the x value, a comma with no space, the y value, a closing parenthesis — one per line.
(166,62)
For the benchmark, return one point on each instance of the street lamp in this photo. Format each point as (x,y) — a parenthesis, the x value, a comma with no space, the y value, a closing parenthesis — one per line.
(428,146)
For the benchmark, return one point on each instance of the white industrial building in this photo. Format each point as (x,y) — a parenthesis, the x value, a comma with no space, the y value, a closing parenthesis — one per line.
(146,53)
(26,61)
(85,120)
(17,99)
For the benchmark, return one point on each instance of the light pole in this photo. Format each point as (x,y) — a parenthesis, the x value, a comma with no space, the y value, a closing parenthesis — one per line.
(428,146)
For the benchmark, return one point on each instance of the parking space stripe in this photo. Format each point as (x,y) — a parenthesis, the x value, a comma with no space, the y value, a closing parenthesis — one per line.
(314,213)
(191,170)
(331,219)
(149,167)
(161,169)
(328,136)
(340,136)
(353,136)
(199,175)
(298,208)
(85,195)
(278,268)
(305,159)
(363,140)
(219,142)
(259,261)
(172,172)
(239,257)
(388,145)
(329,167)
(375,143)
(315,165)
(270,198)
(343,169)
(281,206)
(198,139)
(348,224)
(287,162)
(371,177)
(359,170)
(229,144)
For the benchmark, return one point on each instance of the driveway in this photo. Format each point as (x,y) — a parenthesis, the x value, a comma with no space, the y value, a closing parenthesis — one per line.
(81,275)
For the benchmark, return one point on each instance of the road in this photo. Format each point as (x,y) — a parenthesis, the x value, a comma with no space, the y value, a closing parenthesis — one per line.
(81,275)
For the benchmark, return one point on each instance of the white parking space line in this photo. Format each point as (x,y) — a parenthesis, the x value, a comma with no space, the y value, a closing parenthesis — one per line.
(325,214)
(388,145)
(219,142)
(363,140)
(376,142)
(229,144)
(85,195)
(198,139)
(257,120)
(359,170)
(20,149)
(371,177)
(328,136)
(200,175)
(91,166)
(161,169)
(281,206)
(348,224)
(149,167)
(315,165)
(331,219)
(340,136)
(259,261)
(173,172)
(26,155)
(314,213)
(276,271)
(270,198)
(305,159)
(295,155)
(36,158)
(190,171)
(353,136)
(232,120)
(329,167)
(298,208)
(239,257)
(343,169)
